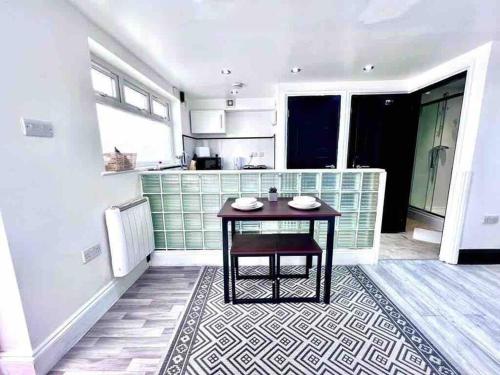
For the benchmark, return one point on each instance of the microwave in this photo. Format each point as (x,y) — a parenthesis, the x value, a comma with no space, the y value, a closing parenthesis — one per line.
(207,163)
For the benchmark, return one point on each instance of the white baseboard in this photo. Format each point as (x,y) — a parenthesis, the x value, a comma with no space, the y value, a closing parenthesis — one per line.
(52,349)
(214,258)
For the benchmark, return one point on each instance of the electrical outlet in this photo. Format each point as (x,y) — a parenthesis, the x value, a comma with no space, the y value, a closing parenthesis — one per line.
(490,219)
(91,253)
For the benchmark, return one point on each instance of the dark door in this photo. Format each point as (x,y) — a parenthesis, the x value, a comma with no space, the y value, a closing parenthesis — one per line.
(313,131)
(382,134)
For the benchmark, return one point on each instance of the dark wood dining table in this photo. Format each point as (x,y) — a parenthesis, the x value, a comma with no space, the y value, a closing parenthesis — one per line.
(276,211)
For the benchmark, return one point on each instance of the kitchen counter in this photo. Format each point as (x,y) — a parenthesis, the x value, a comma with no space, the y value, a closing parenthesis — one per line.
(222,171)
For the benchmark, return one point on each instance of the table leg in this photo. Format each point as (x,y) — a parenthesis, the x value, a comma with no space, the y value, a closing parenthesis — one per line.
(233,228)
(225,259)
(273,277)
(311,233)
(318,278)
(329,259)
(233,277)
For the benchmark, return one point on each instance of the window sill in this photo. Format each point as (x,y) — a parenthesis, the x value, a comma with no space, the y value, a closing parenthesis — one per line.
(110,173)
(138,170)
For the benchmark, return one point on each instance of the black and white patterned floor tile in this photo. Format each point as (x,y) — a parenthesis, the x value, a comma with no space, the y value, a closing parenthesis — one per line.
(360,332)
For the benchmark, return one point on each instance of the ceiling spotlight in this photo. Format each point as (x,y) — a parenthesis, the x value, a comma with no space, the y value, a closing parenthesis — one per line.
(368,68)
(238,85)
(225,71)
(234,92)
(295,70)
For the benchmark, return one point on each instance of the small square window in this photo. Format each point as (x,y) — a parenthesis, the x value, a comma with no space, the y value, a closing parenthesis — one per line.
(135,98)
(103,83)
(160,109)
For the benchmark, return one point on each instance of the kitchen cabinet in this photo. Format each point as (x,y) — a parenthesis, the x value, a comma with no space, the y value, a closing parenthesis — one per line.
(208,121)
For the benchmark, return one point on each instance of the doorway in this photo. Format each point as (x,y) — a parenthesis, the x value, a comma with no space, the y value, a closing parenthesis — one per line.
(413,137)
(313,131)
(438,126)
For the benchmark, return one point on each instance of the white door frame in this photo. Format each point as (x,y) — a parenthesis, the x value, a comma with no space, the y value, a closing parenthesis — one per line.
(475,63)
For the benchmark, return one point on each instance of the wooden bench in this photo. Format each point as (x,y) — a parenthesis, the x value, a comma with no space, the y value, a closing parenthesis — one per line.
(273,247)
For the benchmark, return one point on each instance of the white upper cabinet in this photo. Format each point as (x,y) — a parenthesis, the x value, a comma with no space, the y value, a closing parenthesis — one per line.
(208,121)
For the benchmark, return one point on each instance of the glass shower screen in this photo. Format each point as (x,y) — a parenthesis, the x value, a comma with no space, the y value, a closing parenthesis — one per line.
(434,154)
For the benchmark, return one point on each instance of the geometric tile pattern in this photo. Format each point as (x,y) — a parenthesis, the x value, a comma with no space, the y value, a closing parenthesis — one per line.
(360,332)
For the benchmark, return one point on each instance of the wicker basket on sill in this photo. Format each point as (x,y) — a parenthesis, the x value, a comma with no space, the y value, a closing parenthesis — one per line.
(116,162)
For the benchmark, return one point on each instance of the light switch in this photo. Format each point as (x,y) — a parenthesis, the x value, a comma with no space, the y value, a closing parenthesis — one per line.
(490,219)
(37,128)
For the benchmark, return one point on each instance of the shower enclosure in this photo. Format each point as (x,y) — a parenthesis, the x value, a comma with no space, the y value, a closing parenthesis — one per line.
(435,148)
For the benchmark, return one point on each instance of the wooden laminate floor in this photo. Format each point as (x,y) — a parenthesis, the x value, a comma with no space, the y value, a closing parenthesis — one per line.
(132,337)
(457,307)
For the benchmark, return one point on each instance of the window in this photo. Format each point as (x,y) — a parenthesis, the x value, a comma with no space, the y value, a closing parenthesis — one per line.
(115,88)
(135,97)
(159,109)
(152,140)
(131,117)
(104,83)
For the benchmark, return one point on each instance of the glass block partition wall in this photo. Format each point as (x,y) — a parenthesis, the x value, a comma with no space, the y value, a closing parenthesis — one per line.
(185,204)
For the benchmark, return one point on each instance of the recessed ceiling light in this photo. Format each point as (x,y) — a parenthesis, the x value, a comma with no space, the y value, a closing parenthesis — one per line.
(368,68)
(295,70)
(234,92)
(225,71)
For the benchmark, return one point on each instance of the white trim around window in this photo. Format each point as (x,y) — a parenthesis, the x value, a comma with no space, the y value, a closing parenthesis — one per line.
(121,80)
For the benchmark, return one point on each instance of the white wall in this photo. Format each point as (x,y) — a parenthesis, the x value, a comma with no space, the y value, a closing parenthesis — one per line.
(52,194)
(249,124)
(484,196)
(13,333)
(240,104)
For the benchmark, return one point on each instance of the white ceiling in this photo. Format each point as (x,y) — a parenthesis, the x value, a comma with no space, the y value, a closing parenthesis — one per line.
(190,41)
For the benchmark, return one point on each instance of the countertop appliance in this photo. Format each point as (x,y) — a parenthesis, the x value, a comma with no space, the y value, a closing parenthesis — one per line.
(202,151)
(208,163)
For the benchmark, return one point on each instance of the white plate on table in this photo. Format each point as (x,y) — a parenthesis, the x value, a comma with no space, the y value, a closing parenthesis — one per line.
(294,204)
(247,208)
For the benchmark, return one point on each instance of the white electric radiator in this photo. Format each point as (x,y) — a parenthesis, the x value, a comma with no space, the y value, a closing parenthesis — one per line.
(130,232)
